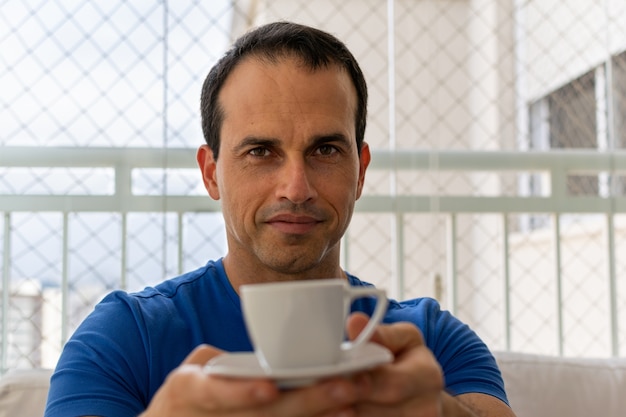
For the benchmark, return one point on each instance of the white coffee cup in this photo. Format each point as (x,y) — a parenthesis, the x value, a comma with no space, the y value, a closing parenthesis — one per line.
(300,324)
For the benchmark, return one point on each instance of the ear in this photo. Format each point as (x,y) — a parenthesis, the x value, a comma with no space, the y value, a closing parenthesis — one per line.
(208,167)
(364,161)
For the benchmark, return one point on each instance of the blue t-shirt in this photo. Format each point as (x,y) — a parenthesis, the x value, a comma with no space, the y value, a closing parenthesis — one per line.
(120,355)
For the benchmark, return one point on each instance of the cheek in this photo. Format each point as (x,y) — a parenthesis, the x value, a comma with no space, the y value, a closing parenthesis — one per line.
(238,216)
(342,184)
(340,196)
(240,200)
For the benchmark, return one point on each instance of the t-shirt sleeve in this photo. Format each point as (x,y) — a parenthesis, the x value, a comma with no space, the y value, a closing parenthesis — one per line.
(103,367)
(467,363)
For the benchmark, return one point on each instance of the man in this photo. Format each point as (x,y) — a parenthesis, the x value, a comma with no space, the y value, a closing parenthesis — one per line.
(283,114)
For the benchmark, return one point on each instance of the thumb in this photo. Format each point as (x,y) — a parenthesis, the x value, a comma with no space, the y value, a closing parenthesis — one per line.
(397,337)
(356,323)
(201,355)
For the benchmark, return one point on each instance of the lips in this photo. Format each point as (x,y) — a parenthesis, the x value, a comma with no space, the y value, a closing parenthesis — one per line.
(293,224)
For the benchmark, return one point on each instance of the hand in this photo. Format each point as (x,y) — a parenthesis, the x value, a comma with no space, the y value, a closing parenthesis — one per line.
(189,391)
(413,385)
(410,386)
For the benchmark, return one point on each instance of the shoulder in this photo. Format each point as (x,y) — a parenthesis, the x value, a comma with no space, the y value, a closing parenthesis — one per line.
(436,324)
(183,300)
(206,275)
(130,342)
(424,312)
(176,293)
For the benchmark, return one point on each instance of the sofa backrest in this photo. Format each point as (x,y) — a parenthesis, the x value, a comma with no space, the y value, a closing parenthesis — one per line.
(537,386)
(546,386)
(23,393)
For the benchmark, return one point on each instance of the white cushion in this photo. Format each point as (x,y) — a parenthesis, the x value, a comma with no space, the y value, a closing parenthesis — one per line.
(23,393)
(537,386)
(546,386)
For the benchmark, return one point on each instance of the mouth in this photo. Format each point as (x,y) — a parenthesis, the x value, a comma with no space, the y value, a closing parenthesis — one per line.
(293,224)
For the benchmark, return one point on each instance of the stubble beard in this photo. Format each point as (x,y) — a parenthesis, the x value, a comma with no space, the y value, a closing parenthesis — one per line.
(294,257)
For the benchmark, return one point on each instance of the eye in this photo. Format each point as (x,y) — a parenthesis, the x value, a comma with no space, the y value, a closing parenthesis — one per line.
(259,151)
(326,150)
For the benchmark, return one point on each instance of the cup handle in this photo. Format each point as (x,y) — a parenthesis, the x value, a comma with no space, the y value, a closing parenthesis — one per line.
(375,319)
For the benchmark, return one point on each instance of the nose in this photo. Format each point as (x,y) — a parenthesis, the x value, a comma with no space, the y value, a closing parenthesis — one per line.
(295,181)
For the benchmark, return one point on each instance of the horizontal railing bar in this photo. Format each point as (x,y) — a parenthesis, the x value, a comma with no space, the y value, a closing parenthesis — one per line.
(367,204)
(555,160)
(469,204)
(558,163)
(89,203)
(14,156)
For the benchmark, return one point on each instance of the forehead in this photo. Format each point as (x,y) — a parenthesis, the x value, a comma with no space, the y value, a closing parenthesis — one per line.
(285,86)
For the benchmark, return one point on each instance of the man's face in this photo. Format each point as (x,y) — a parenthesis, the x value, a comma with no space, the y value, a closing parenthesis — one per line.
(288,172)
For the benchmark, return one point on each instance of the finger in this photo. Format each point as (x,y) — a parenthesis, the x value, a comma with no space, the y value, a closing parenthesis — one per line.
(327,397)
(201,355)
(396,337)
(226,392)
(415,407)
(414,375)
(222,393)
(355,325)
(188,390)
(237,394)
(415,378)
(399,337)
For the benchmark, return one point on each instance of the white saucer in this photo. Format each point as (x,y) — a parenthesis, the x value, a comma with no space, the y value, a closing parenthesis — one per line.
(246,365)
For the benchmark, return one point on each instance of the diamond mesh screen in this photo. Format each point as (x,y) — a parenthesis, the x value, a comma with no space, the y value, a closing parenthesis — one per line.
(444,75)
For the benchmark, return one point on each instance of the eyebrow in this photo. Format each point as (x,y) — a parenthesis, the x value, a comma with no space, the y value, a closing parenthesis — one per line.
(333,137)
(252,141)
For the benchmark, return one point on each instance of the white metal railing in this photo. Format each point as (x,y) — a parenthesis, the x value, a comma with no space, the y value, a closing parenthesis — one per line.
(557,164)
(122,199)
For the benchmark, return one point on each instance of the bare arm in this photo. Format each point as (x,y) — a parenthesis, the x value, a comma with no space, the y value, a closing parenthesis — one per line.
(475,405)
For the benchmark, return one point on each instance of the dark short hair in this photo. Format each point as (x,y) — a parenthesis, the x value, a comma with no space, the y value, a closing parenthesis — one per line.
(315,48)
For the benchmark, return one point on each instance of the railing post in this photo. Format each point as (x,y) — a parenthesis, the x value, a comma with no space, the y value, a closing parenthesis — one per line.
(507,282)
(399,236)
(452,263)
(181,252)
(6,289)
(124,254)
(559,282)
(612,285)
(65,286)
